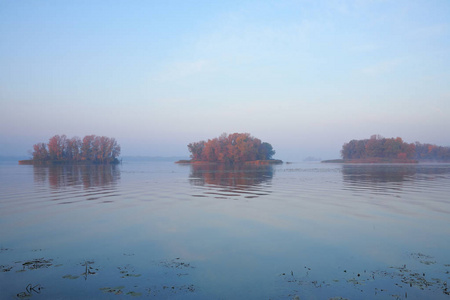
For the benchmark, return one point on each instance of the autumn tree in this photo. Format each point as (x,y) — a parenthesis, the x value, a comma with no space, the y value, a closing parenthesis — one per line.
(232,148)
(374,146)
(266,151)
(431,152)
(95,149)
(40,152)
(56,147)
(87,148)
(378,147)
(73,148)
(355,149)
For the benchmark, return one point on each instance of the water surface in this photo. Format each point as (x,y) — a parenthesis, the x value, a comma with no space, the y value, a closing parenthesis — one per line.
(167,231)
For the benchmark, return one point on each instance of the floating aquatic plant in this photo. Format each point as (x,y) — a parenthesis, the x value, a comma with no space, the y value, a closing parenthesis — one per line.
(5,268)
(37,263)
(175,263)
(70,276)
(114,290)
(29,290)
(89,270)
(126,271)
(400,277)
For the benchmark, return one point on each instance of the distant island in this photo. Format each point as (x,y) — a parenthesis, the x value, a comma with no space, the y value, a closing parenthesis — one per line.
(91,149)
(232,149)
(378,149)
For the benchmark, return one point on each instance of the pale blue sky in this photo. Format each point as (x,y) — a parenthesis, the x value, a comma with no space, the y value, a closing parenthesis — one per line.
(305,76)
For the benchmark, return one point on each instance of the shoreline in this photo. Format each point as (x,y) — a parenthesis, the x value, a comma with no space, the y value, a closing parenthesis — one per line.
(377,160)
(62,162)
(374,160)
(253,162)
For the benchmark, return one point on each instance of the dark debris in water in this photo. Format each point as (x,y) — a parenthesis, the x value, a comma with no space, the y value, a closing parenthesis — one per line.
(119,290)
(88,269)
(174,285)
(167,290)
(399,278)
(419,255)
(5,268)
(176,263)
(423,258)
(38,263)
(29,290)
(159,291)
(113,290)
(128,271)
(68,276)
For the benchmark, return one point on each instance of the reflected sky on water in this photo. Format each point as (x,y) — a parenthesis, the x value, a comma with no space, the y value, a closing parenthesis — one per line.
(163,230)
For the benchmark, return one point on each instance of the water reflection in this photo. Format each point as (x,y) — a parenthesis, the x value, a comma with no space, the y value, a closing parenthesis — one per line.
(86,176)
(225,181)
(391,177)
(377,173)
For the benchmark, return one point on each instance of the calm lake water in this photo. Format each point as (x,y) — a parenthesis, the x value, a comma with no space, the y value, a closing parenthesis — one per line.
(167,231)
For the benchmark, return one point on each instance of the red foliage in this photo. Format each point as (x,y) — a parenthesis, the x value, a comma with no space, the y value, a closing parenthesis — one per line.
(379,147)
(234,148)
(98,149)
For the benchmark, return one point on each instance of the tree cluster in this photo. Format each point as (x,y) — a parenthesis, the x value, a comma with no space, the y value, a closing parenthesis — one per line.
(380,147)
(92,148)
(432,152)
(232,148)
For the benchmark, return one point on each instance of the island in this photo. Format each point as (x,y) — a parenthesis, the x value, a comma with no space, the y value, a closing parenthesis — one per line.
(235,148)
(91,149)
(378,149)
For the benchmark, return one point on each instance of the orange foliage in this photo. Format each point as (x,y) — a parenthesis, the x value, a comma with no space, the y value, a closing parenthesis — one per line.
(232,148)
(98,149)
(379,147)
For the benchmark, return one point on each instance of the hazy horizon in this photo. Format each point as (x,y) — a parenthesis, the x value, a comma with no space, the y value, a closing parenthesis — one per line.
(305,76)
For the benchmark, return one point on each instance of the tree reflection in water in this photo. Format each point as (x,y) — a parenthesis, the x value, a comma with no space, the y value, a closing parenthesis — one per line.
(386,177)
(225,181)
(86,176)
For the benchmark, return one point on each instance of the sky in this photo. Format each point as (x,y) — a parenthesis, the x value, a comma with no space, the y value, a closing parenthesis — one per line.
(304,76)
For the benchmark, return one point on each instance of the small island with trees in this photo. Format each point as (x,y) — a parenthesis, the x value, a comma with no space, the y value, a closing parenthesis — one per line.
(378,149)
(235,148)
(91,149)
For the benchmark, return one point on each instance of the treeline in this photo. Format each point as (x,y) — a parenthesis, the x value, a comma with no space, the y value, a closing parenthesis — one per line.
(232,148)
(393,148)
(92,148)
(432,152)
